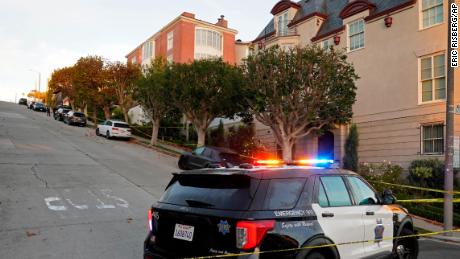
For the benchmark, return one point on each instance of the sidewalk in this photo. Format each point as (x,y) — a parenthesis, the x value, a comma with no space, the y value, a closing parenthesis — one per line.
(433,226)
(161,147)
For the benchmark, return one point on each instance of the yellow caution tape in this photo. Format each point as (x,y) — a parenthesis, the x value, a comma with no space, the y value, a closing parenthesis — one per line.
(418,188)
(436,200)
(326,245)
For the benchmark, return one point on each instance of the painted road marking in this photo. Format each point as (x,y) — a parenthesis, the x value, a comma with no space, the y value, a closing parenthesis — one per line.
(59,204)
(49,200)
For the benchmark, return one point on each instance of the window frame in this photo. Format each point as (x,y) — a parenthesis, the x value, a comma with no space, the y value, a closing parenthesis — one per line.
(347,187)
(354,195)
(433,79)
(422,139)
(170,40)
(356,34)
(422,10)
(284,17)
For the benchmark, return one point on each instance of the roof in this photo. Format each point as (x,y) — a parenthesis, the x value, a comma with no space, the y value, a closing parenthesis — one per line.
(270,172)
(331,11)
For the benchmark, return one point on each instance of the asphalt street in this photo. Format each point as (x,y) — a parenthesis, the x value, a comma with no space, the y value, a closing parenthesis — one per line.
(66,193)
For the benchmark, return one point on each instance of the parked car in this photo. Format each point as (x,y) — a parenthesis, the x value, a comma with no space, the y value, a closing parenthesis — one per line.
(31,105)
(60,113)
(23,101)
(75,118)
(247,211)
(114,129)
(39,107)
(204,157)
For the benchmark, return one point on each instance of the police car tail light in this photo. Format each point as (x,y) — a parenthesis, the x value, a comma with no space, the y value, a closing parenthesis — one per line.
(249,234)
(150,213)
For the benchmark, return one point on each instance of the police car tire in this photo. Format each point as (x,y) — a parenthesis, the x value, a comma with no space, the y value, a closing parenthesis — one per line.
(315,255)
(406,241)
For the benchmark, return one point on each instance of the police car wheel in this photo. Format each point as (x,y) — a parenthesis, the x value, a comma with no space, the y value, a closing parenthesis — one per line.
(315,255)
(406,248)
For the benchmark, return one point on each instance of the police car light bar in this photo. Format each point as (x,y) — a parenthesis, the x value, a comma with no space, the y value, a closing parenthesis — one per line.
(314,161)
(269,162)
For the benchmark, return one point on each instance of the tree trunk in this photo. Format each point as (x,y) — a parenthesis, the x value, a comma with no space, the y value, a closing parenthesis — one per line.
(94,117)
(155,128)
(106,112)
(287,149)
(201,131)
(125,113)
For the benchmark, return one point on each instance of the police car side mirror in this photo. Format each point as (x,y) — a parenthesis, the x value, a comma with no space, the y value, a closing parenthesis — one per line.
(388,197)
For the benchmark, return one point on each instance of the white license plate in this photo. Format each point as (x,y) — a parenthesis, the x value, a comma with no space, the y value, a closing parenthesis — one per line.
(184,232)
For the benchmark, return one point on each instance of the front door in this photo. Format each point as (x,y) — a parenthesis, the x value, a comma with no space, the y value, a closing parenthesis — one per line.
(338,218)
(377,218)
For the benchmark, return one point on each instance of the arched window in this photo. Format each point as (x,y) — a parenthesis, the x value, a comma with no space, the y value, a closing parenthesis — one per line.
(208,43)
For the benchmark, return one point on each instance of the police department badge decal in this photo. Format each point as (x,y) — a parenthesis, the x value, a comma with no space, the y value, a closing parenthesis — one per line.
(378,231)
(224,227)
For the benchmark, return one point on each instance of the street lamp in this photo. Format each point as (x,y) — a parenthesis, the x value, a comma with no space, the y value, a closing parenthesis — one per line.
(39,77)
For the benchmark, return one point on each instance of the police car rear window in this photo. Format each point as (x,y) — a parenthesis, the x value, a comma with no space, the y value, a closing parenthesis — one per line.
(227,192)
(283,193)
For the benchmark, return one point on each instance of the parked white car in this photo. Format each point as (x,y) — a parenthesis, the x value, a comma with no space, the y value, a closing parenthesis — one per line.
(113,129)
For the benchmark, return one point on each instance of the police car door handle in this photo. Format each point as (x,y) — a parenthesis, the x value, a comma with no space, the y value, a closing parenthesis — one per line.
(370,213)
(327,214)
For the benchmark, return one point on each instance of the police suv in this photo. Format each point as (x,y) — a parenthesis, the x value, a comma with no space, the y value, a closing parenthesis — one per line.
(277,211)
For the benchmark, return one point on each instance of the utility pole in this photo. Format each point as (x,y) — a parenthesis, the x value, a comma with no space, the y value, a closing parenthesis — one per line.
(450,113)
(39,78)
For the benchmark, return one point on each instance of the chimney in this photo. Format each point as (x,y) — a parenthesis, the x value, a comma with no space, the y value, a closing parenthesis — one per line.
(189,15)
(222,22)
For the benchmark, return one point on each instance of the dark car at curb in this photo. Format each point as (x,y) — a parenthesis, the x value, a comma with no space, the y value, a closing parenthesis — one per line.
(275,213)
(204,157)
(60,113)
(75,118)
(39,107)
(22,101)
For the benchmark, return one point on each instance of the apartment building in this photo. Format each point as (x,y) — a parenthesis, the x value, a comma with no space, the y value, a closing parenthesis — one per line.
(185,39)
(399,50)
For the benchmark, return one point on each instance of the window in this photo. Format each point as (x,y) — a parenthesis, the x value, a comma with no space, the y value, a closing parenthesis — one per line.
(433,139)
(147,50)
(208,38)
(198,151)
(433,78)
(356,35)
(170,40)
(283,193)
(363,194)
(325,44)
(336,191)
(432,12)
(283,24)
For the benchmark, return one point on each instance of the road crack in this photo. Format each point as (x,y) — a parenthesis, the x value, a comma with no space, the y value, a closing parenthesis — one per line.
(33,169)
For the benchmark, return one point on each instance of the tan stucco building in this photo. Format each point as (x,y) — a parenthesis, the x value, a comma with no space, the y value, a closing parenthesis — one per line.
(399,50)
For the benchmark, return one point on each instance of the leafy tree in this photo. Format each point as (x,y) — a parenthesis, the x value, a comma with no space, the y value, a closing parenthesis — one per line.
(62,81)
(206,89)
(242,139)
(350,159)
(152,93)
(122,79)
(90,83)
(299,91)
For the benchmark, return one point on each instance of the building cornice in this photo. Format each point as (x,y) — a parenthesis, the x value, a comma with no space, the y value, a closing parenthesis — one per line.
(264,36)
(283,5)
(356,7)
(327,34)
(306,17)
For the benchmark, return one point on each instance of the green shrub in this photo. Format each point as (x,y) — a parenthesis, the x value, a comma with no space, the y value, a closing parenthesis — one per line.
(419,175)
(381,172)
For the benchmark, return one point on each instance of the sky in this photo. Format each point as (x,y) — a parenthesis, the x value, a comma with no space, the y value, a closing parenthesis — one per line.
(40,36)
